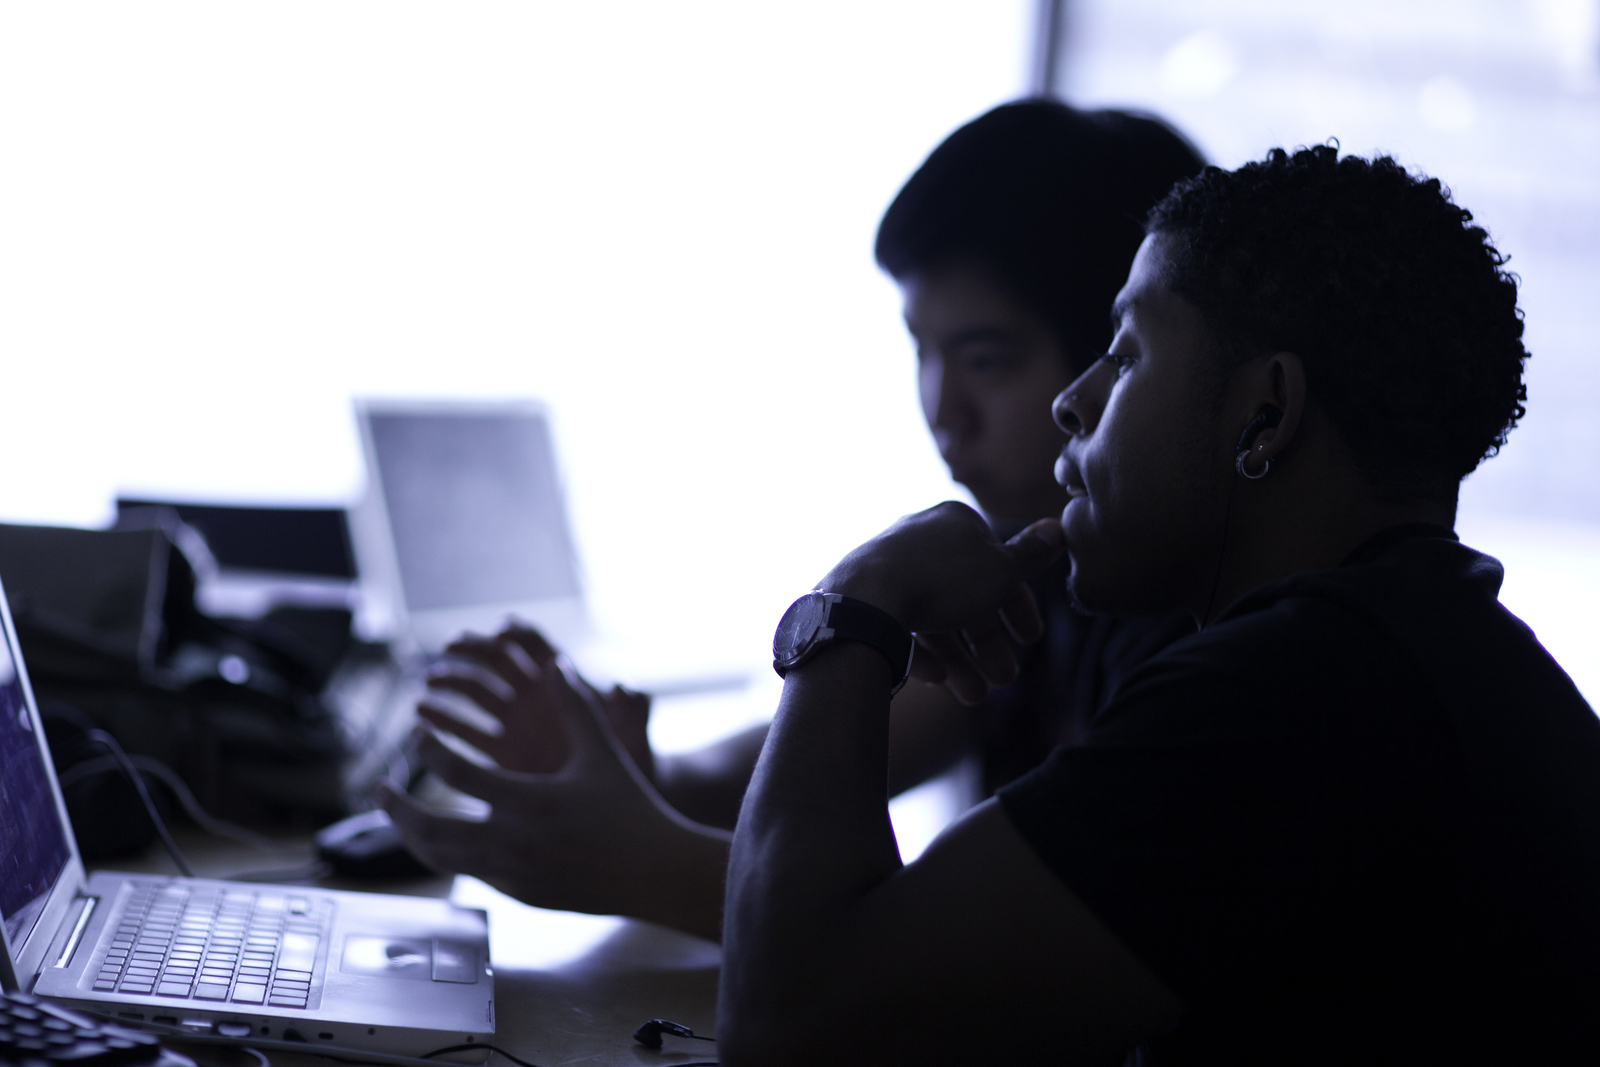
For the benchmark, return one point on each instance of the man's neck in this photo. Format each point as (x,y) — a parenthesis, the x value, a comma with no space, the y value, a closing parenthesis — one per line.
(1310,526)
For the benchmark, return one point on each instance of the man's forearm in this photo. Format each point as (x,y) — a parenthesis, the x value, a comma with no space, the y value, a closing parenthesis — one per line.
(708,784)
(928,732)
(813,837)
(685,893)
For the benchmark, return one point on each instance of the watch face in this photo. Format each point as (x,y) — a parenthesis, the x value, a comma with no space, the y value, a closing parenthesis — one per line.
(798,625)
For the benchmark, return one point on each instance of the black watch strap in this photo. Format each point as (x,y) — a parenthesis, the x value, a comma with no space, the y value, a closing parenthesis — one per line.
(834,617)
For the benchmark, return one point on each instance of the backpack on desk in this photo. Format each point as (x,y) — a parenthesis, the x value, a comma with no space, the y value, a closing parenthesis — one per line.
(112,639)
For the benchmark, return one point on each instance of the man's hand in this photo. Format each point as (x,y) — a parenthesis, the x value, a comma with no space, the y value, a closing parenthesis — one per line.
(945,576)
(497,674)
(592,836)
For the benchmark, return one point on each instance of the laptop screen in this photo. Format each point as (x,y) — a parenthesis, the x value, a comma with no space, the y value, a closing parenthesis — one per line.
(33,842)
(474,507)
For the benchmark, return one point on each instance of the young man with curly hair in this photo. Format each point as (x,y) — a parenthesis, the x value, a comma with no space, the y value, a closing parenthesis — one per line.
(1355,818)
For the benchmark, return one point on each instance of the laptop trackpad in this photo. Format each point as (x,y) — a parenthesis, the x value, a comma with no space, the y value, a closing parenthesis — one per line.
(398,957)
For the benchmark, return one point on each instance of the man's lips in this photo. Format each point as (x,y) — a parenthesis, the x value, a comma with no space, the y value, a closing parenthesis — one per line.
(1069,477)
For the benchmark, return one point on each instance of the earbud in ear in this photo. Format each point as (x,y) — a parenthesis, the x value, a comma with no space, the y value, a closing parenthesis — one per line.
(1267,418)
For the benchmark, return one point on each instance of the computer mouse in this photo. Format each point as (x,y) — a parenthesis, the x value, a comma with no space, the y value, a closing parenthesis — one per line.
(368,845)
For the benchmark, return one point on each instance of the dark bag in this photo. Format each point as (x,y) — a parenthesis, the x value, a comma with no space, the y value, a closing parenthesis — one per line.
(112,638)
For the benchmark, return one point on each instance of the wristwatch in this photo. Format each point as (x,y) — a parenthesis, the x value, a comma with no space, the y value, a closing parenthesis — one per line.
(817,619)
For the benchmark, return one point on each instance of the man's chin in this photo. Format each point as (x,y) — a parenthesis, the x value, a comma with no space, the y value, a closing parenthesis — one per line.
(1095,591)
(1086,581)
(1086,594)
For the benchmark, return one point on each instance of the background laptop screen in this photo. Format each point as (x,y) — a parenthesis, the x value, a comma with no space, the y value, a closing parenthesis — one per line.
(474,508)
(33,843)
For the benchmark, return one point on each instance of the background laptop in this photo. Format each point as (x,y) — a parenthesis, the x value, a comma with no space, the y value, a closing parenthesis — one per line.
(277,965)
(464,525)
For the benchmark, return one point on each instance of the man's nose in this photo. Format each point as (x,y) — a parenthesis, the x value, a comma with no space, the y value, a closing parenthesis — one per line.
(945,403)
(1077,410)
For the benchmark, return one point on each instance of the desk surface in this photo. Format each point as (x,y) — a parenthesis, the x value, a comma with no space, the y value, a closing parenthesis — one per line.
(569,989)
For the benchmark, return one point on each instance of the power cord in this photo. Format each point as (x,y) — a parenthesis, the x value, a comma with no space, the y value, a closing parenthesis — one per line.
(109,743)
(186,799)
(135,767)
(428,1057)
(491,1048)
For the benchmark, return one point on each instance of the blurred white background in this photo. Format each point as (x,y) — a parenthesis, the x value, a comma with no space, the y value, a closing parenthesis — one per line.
(219,222)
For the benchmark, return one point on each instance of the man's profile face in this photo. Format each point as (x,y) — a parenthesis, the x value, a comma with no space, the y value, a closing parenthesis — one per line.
(988,368)
(1147,462)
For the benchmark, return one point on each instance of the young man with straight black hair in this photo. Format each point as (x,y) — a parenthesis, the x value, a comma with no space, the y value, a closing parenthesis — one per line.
(1355,818)
(1008,245)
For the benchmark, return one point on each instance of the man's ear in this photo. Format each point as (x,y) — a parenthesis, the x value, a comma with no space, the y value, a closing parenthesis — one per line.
(1279,392)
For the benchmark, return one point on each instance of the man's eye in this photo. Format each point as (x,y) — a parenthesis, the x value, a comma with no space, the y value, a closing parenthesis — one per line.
(989,362)
(1119,361)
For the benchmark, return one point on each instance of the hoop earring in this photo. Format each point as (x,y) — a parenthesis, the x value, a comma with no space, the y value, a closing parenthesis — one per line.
(1238,465)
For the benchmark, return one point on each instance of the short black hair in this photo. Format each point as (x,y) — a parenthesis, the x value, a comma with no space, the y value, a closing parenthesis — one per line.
(1401,308)
(1050,198)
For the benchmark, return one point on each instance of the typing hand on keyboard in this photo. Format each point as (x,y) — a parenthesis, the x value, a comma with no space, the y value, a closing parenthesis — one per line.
(33,1032)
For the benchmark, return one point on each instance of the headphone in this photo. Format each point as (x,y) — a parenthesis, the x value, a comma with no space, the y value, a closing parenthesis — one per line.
(649,1034)
(1267,418)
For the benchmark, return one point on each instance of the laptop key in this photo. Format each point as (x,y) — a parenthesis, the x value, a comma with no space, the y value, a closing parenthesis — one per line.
(249,993)
(172,989)
(299,952)
(211,991)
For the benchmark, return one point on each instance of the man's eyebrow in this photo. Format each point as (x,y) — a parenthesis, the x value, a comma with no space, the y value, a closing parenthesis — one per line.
(980,334)
(976,334)
(1119,308)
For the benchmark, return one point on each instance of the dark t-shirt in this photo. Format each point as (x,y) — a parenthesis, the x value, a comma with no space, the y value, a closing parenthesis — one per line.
(1355,821)
(1065,679)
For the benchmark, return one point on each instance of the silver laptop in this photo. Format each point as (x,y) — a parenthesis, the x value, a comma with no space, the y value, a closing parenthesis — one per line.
(279,966)
(464,523)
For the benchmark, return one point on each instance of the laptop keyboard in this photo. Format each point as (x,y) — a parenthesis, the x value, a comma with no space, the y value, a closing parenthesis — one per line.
(201,942)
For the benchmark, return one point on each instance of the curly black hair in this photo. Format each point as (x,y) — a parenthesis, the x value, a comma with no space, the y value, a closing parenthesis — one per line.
(1052,199)
(1402,310)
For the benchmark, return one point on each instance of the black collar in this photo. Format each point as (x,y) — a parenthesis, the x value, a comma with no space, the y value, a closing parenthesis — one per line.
(1387,538)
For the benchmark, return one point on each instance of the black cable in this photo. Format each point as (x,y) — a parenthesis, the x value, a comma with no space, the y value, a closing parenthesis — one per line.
(463,1048)
(1222,555)
(108,742)
(186,799)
